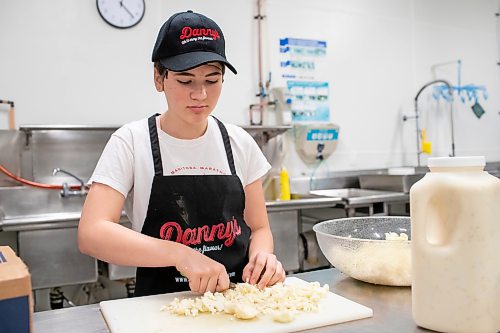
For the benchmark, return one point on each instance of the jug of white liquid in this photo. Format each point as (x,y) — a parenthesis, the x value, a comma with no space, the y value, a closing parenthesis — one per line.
(455,232)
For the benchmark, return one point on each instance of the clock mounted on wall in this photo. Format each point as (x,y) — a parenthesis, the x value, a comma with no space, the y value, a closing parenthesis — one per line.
(121,14)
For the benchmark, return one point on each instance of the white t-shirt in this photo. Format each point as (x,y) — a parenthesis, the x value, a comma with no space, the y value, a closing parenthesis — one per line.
(126,163)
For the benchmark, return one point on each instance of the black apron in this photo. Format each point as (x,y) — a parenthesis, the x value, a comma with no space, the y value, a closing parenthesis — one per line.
(204,212)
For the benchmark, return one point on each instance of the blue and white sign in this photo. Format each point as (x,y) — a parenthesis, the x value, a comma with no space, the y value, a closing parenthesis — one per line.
(309,100)
(299,58)
(302,63)
(303,47)
(330,134)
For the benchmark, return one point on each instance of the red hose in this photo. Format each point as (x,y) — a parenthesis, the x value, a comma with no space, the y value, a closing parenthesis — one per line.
(35,184)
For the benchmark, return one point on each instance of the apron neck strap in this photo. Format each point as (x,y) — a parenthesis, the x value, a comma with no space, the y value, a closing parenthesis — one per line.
(155,145)
(227,146)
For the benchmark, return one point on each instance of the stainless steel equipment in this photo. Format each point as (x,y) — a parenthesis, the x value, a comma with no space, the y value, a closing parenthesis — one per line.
(367,202)
(417,116)
(45,221)
(59,264)
(11,143)
(72,148)
(284,226)
(310,254)
(396,183)
(46,230)
(293,244)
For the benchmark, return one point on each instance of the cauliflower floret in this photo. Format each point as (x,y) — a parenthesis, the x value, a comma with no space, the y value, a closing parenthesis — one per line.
(283,316)
(245,311)
(394,236)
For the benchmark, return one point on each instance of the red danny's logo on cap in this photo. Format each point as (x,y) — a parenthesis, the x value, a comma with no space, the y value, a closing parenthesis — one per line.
(188,32)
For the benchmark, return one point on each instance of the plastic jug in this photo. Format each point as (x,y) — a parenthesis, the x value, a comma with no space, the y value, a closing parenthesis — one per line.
(455,217)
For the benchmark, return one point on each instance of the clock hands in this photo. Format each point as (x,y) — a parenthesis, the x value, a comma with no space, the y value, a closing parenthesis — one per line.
(125,7)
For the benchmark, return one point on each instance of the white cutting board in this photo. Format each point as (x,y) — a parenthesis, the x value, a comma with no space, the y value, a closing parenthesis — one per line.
(142,314)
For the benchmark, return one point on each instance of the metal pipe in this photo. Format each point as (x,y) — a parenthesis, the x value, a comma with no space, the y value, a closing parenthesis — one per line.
(263,95)
(11,114)
(12,117)
(451,62)
(450,91)
(257,110)
(451,123)
(259,18)
(66,189)
(418,131)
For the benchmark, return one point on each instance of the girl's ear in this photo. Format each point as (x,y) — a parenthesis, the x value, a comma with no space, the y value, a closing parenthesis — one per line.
(158,79)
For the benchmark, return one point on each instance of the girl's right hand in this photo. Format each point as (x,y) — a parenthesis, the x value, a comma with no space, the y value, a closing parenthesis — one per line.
(204,274)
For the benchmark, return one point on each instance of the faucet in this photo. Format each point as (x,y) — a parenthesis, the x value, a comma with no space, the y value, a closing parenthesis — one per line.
(405,118)
(66,190)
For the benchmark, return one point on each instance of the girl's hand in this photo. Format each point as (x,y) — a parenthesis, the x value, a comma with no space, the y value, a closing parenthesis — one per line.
(204,274)
(263,269)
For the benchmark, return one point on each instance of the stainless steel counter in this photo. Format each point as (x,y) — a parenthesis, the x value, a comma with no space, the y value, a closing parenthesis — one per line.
(305,203)
(391,309)
(69,218)
(360,197)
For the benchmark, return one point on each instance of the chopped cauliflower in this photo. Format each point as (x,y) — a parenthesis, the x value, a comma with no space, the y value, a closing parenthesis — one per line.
(283,316)
(245,311)
(394,236)
(246,301)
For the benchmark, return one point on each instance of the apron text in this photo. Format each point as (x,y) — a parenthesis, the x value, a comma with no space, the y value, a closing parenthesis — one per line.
(193,236)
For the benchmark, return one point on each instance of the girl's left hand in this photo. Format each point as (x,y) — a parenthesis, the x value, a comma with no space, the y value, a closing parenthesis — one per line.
(263,269)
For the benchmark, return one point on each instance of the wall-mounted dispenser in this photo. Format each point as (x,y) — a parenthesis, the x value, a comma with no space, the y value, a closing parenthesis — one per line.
(283,105)
(316,142)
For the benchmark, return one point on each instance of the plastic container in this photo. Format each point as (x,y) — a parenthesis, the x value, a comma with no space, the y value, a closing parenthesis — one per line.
(455,216)
(284,185)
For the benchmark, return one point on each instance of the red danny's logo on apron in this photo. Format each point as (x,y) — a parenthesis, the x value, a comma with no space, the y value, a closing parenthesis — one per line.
(194,236)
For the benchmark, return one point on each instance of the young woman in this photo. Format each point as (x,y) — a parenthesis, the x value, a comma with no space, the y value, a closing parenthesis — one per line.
(190,184)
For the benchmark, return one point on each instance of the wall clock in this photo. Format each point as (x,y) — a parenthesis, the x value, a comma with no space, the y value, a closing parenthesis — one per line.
(121,14)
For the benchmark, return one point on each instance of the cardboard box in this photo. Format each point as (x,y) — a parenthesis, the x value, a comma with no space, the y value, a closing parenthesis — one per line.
(16,301)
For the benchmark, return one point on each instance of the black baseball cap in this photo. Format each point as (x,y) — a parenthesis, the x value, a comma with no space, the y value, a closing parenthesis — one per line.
(188,40)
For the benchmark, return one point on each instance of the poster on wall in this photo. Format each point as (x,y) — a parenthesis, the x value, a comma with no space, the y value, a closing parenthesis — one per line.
(309,100)
(302,64)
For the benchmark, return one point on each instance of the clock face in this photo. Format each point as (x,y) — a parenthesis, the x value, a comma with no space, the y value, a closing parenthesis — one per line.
(121,13)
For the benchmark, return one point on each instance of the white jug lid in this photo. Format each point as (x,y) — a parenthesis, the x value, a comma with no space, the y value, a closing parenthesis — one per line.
(457,161)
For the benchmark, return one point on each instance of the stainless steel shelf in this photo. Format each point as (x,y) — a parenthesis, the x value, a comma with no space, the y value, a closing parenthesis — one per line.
(262,134)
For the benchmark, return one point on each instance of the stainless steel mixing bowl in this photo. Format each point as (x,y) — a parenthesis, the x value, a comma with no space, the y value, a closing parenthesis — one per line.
(358,247)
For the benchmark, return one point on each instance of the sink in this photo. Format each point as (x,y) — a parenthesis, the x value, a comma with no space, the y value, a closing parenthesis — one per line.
(390,180)
(386,182)
(46,235)
(302,201)
(345,193)
(299,196)
(353,196)
(20,206)
(22,201)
